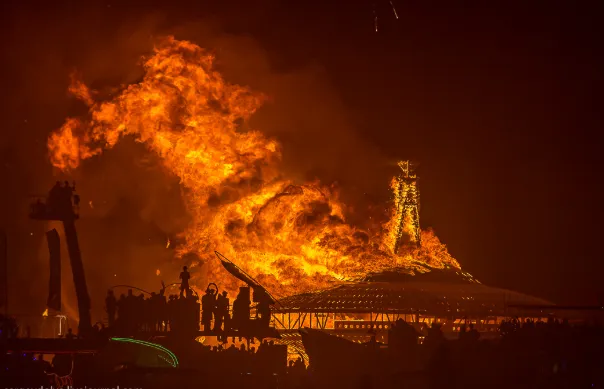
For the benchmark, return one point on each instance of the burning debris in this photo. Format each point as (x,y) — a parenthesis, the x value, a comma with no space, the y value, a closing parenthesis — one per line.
(290,237)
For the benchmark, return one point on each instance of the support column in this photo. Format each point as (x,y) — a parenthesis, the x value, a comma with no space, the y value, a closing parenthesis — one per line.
(3,271)
(79,279)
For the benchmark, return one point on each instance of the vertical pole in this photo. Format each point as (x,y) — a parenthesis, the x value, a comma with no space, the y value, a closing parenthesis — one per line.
(79,278)
(54,283)
(4,271)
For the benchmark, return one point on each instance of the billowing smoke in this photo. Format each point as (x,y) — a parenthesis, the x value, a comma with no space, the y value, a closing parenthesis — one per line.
(241,201)
(132,208)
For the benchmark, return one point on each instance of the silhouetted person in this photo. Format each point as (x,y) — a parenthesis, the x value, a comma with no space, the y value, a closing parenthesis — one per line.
(162,312)
(174,309)
(184,284)
(45,364)
(69,335)
(121,310)
(38,207)
(66,196)
(68,189)
(300,366)
(111,307)
(241,309)
(435,338)
(129,308)
(140,313)
(473,335)
(221,314)
(373,344)
(263,309)
(208,305)
(157,302)
(463,332)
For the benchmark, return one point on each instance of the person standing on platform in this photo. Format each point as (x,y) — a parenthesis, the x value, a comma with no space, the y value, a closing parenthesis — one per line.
(222,312)
(208,306)
(111,307)
(184,284)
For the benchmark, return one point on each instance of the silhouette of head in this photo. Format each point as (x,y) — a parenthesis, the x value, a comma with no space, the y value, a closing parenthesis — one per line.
(224,293)
(184,268)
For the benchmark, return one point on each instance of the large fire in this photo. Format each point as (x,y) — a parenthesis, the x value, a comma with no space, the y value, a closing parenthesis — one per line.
(291,237)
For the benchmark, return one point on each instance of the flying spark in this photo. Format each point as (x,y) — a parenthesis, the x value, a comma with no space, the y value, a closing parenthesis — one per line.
(394,10)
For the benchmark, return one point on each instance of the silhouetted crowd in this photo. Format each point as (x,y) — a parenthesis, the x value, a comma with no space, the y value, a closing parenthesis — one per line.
(528,354)
(267,358)
(134,313)
(183,313)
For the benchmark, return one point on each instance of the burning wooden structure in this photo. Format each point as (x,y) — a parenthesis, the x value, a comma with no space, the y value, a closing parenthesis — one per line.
(358,310)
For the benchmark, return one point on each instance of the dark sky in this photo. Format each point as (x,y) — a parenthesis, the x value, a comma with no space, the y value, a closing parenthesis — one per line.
(500,103)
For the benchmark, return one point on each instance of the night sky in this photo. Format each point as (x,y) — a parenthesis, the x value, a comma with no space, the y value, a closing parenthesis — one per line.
(499,103)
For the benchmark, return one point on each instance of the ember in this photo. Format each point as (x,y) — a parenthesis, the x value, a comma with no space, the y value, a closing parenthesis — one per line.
(291,237)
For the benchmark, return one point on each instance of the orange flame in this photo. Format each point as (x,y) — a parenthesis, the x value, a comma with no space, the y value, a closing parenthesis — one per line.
(80,90)
(292,238)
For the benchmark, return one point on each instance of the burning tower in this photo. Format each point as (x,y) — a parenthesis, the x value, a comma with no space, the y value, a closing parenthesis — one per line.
(406,203)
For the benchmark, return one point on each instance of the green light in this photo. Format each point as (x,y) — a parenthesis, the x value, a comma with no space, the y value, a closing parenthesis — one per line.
(156,346)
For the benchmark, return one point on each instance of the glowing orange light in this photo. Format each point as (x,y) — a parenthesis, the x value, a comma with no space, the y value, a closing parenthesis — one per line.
(291,238)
